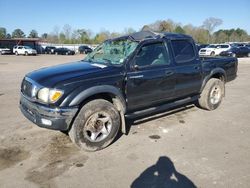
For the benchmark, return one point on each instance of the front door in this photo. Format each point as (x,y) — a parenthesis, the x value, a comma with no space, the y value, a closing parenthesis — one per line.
(151,78)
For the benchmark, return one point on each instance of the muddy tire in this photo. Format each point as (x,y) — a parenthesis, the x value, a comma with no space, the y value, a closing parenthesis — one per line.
(212,94)
(96,125)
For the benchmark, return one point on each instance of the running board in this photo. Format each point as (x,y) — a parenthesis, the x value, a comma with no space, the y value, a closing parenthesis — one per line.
(161,107)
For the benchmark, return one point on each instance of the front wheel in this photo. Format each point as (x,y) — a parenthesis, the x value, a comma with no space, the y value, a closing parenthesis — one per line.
(96,125)
(212,94)
(248,55)
(212,54)
(16,53)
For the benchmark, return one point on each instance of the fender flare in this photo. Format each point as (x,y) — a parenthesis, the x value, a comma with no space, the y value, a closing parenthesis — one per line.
(212,73)
(118,100)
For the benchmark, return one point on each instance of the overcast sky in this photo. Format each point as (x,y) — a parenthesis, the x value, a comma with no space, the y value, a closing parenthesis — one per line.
(115,15)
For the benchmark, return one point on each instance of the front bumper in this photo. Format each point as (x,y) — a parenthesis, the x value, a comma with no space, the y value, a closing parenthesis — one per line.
(46,117)
(32,52)
(205,53)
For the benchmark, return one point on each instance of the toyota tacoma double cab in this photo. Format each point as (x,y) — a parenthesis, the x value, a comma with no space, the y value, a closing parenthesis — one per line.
(91,99)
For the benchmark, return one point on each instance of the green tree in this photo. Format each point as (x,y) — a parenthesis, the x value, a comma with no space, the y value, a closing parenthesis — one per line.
(179,29)
(8,36)
(3,33)
(33,34)
(44,35)
(18,33)
(102,36)
(82,36)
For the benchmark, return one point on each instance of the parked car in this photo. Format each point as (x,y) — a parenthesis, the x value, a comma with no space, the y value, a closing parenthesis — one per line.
(64,51)
(214,49)
(49,49)
(236,52)
(123,77)
(84,49)
(24,50)
(4,51)
(247,45)
(237,45)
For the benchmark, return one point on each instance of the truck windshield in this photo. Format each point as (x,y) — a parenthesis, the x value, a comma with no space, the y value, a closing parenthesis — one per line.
(112,52)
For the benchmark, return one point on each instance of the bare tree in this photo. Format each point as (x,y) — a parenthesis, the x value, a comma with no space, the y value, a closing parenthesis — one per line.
(210,24)
(67,31)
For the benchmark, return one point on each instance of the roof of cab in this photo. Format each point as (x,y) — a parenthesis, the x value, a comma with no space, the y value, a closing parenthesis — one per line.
(145,35)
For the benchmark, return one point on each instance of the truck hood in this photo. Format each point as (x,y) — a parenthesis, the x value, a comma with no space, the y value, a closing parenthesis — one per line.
(51,76)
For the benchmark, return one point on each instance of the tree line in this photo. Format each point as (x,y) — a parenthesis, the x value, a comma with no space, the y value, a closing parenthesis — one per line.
(202,34)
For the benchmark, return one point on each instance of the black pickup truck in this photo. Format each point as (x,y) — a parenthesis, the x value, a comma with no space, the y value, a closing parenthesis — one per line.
(91,99)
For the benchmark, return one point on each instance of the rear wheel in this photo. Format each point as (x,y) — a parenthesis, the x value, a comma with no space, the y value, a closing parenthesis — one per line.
(26,53)
(212,94)
(96,125)
(248,55)
(56,53)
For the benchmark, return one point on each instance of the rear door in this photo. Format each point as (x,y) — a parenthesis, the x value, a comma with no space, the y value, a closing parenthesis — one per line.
(151,76)
(187,68)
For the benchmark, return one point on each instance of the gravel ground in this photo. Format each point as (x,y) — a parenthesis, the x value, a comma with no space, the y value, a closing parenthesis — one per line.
(186,146)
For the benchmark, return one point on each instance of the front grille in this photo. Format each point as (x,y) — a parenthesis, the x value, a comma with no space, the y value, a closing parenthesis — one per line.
(26,88)
(203,51)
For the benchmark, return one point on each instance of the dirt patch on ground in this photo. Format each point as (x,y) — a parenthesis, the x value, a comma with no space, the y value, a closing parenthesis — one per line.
(11,156)
(58,156)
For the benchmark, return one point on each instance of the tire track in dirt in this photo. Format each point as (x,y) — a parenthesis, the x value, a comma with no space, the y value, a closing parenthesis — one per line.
(58,157)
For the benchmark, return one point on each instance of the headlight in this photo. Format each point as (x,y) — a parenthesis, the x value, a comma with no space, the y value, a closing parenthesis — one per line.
(49,95)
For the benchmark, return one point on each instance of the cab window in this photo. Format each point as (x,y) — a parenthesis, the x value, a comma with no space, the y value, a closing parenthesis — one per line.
(183,51)
(152,55)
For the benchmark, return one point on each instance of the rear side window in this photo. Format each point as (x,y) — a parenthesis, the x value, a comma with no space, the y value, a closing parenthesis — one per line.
(224,46)
(183,50)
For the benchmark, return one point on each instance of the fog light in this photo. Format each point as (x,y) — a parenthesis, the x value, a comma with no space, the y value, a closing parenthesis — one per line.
(46,122)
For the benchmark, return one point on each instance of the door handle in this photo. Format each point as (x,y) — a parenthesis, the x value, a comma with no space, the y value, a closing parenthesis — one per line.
(169,73)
